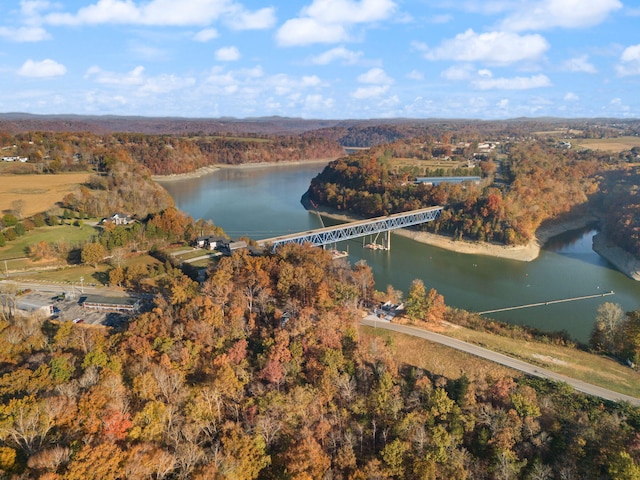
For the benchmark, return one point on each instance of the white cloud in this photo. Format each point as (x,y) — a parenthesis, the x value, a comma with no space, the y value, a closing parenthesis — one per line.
(140,83)
(571,97)
(492,47)
(560,13)
(503,104)
(254,83)
(24,34)
(376,76)
(165,84)
(306,31)
(347,57)
(415,75)
(515,83)
(242,19)
(349,11)
(370,92)
(227,54)
(206,35)
(134,77)
(327,21)
(317,102)
(629,61)
(45,68)
(580,64)
(166,13)
(32,8)
(457,73)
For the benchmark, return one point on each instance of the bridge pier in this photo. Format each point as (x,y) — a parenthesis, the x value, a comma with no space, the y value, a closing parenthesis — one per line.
(388,235)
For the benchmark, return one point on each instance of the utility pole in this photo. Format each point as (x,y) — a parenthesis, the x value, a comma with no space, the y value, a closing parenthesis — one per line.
(82,285)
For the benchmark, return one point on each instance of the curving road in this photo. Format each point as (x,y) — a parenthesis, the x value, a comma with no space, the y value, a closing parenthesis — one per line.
(528,368)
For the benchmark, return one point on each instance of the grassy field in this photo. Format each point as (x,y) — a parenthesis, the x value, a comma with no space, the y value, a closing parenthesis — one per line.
(431,164)
(436,358)
(72,274)
(39,192)
(614,145)
(567,361)
(73,235)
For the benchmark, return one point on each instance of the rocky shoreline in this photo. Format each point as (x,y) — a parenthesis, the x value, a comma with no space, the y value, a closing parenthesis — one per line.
(200,172)
(622,260)
(212,168)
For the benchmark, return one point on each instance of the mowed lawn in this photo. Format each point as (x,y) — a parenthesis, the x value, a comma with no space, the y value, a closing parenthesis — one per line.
(68,233)
(39,192)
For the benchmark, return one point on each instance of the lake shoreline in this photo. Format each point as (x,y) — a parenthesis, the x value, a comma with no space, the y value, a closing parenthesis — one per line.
(200,172)
(522,253)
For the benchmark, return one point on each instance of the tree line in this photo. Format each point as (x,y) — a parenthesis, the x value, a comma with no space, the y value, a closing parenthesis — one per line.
(263,372)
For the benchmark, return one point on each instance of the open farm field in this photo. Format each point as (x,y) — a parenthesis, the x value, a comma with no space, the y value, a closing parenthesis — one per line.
(614,145)
(559,132)
(39,192)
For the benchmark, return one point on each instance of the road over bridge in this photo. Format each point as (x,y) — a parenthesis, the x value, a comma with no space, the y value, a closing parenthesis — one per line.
(360,228)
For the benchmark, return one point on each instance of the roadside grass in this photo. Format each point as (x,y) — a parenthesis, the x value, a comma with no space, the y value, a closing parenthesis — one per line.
(451,363)
(435,358)
(39,192)
(73,274)
(68,233)
(574,363)
(614,145)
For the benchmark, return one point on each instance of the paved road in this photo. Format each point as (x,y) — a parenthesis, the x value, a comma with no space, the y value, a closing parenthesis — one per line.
(514,363)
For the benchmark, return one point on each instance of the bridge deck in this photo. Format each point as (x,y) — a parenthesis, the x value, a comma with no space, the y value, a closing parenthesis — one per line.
(359,228)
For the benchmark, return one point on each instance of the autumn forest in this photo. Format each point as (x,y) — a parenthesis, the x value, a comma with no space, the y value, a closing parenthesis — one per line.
(261,370)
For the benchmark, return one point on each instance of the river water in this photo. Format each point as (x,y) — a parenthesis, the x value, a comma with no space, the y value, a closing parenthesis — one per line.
(263,202)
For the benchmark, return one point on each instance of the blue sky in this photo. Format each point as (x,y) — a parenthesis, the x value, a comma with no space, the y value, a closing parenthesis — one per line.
(485,59)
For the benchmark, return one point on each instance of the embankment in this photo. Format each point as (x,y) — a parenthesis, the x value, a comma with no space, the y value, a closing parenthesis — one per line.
(523,253)
(622,260)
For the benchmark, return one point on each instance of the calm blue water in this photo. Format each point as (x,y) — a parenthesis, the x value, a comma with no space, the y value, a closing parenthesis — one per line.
(264,202)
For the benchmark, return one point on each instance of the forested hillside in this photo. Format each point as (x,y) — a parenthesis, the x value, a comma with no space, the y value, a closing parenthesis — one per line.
(532,182)
(161,154)
(263,372)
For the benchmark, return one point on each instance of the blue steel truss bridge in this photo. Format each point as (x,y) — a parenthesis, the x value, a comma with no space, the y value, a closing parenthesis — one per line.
(357,229)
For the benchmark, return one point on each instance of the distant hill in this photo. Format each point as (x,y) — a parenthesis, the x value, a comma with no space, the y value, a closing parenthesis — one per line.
(349,132)
(24,122)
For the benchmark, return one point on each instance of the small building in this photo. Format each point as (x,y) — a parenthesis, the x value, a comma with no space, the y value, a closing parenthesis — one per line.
(34,305)
(119,219)
(112,304)
(231,247)
(435,181)
(210,242)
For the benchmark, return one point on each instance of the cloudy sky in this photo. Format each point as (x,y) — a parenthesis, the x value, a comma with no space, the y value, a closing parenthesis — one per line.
(322,58)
